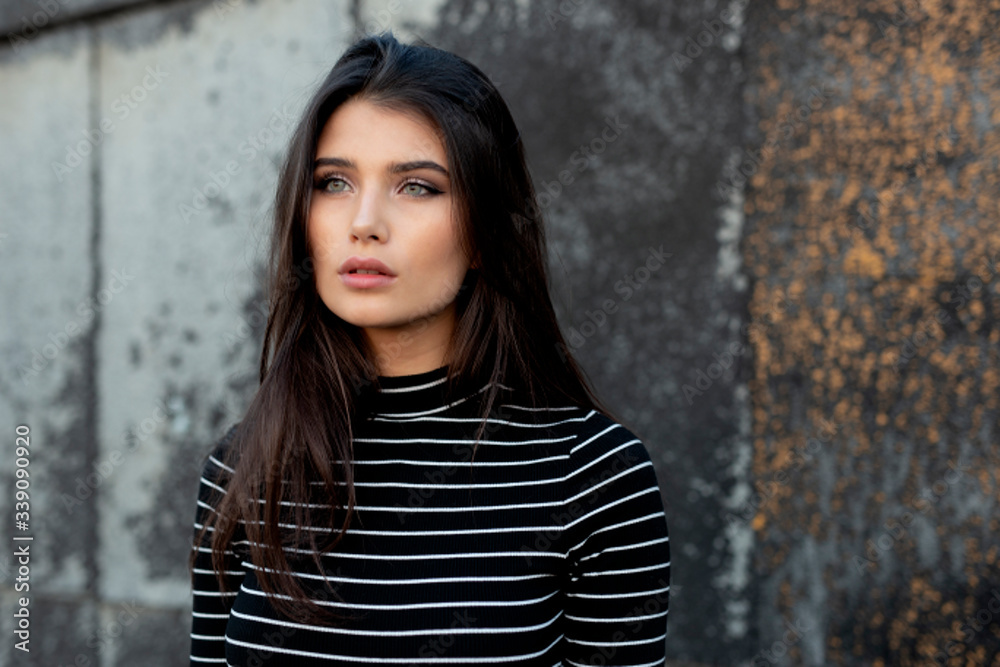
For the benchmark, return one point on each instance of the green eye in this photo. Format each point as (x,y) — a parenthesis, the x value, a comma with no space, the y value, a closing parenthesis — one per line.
(325,185)
(425,190)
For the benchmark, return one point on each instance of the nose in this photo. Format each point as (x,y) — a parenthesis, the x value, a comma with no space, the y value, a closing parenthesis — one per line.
(369,219)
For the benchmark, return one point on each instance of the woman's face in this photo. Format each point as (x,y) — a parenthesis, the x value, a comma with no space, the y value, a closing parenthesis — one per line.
(381,192)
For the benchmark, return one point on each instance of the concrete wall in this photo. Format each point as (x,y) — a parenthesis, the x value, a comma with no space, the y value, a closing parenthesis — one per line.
(875,390)
(823,179)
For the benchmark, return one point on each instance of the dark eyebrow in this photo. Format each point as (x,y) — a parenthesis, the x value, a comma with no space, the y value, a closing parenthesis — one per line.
(394,168)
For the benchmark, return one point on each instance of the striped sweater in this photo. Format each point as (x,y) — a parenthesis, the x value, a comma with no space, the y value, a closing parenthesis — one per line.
(550,547)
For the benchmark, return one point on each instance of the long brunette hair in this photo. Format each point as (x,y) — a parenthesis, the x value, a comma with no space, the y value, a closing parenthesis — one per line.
(316,369)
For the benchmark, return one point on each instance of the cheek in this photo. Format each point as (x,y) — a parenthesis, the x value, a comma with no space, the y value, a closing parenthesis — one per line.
(438,248)
(322,245)
(443,268)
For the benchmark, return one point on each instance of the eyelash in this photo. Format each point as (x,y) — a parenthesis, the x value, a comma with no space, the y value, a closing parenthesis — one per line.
(321,183)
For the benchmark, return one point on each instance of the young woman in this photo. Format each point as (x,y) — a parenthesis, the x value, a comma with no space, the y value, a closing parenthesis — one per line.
(424,476)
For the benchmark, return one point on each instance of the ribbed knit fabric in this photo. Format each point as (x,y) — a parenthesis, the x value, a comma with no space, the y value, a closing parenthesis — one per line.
(551,550)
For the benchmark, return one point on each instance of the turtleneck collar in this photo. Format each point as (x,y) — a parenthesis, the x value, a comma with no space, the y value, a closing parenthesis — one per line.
(400,395)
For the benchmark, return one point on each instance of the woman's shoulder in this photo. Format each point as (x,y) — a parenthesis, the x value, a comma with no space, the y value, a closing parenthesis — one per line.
(588,432)
(604,435)
(601,451)
(219,459)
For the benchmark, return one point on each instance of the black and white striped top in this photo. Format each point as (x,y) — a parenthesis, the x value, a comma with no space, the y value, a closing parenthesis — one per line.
(551,549)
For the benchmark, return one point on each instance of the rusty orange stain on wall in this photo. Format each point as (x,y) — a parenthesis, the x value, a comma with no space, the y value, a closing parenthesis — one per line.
(877,215)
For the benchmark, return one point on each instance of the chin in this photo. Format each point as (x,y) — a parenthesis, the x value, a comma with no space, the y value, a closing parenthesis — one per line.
(368,318)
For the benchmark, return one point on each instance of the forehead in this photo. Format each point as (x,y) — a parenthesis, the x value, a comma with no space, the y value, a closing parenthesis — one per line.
(370,134)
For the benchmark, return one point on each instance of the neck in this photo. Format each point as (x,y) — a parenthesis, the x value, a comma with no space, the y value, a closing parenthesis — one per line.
(415,347)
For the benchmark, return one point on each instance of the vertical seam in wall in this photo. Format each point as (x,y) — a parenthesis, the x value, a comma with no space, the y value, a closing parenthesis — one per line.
(356,16)
(91,383)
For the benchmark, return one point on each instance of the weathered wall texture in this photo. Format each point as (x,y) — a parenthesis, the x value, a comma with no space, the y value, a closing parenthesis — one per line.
(775,244)
(145,144)
(875,229)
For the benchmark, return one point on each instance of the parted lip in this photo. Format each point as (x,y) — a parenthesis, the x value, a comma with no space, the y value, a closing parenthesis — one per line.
(369,263)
